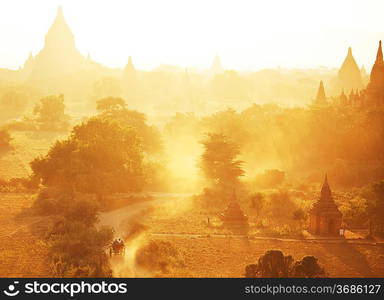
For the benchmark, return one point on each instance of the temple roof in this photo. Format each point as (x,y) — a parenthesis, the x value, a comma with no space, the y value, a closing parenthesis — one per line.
(377,73)
(325,204)
(349,75)
(233,212)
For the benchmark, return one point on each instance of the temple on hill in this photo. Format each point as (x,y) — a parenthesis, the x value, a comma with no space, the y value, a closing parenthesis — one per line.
(349,75)
(325,217)
(321,99)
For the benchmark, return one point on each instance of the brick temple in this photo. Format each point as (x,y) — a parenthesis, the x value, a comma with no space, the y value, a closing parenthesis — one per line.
(325,217)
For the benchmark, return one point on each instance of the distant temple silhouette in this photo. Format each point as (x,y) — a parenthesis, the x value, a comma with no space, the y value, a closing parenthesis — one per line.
(321,99)
(325,217)
(349,75)
(349,80)
(59,55)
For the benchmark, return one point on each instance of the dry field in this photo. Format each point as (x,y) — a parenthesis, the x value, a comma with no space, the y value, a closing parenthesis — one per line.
(22,254)
(227,257)
(208,251)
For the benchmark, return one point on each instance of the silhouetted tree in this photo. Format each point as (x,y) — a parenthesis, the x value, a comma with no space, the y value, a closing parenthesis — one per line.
(149,135)
(308,267)
(272,264)
(219,161)
(110,104)
(374,194)
(50,113)
(100,156)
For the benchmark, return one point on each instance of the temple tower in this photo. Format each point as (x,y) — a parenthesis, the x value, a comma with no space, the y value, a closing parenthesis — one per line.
(375,89)
(325,217)
(349,75)
(59,55)
(321,99)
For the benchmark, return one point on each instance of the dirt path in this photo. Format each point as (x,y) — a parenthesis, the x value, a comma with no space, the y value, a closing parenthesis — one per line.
(118,217)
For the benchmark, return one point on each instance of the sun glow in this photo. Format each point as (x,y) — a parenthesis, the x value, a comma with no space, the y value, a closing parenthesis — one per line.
(248,35)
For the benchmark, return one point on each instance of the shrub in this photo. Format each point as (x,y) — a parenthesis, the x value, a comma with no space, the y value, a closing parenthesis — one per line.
(159,256)
(308,267)
(275,264)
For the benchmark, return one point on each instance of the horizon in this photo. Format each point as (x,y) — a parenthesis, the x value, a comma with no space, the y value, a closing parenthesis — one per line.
(191,45)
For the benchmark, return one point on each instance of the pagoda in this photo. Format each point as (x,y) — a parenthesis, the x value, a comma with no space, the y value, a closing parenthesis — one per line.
(375,88)
(59,55)
(325,217)
(349,75)
(233,214)
(321,99)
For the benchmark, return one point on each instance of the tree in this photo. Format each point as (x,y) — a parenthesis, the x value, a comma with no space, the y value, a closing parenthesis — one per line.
(50,114)
(272,264)
(99,157)
(308,267)
(258,202)
(299,215)
(110,104)
(14,103)
(114,110)
(374,194)
(219,160)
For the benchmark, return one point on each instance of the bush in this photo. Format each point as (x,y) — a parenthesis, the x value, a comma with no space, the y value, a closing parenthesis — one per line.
(274,264)
(77,246)
(308,267)
(159,256)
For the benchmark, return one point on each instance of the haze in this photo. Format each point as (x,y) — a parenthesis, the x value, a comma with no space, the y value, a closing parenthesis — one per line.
(248,35)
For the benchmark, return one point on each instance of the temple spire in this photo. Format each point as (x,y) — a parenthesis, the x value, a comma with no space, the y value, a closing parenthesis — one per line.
(320,97)
(129,67)
(379,56)
(326,194)
(349,52)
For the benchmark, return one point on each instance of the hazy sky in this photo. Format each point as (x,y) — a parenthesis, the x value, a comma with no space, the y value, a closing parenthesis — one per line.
(248,35)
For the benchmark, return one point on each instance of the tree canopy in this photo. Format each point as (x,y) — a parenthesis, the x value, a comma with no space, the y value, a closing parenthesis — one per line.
(99,156)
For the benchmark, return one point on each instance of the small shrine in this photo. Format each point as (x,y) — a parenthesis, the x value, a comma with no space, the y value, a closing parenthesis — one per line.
(325,217)
(233,214)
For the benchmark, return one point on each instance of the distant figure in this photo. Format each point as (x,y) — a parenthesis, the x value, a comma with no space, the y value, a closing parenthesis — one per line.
(341,231)
(118,247)
(208,221)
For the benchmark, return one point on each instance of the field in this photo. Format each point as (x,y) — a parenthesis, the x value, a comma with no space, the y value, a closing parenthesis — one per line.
(211,251)
(22,253)
(206,250)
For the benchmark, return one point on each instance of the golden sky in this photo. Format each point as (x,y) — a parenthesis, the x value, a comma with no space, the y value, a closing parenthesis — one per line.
(248,35)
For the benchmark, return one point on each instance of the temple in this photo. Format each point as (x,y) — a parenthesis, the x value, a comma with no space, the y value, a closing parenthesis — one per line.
(325,217)
(321,99)
(375,88)
(349,75)
(233,214)
(373,94)
(129,72)
(59,55)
